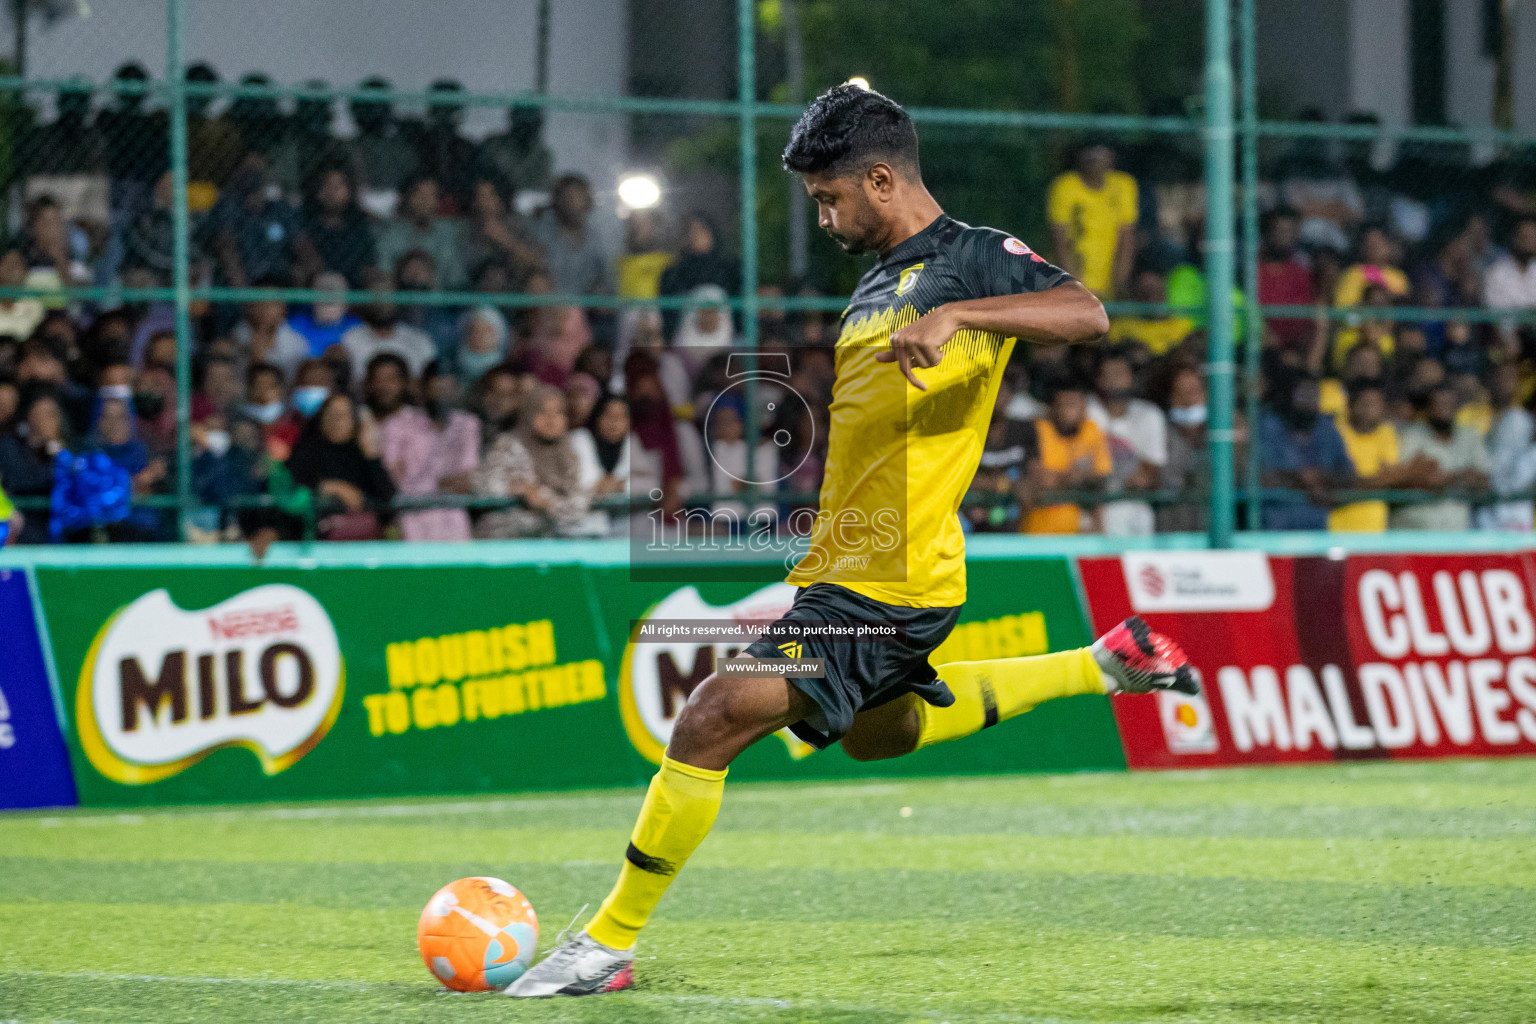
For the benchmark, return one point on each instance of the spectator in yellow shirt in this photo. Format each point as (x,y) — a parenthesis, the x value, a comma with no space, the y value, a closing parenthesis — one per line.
(1371,442)
(1093,211)
(1159,334)
(1358,283)
(1071,452)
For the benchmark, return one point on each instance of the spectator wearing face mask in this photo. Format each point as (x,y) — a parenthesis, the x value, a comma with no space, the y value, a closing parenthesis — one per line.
(337,457)
(1070,453)
(482,343)
(323,324)
(1188,467)
(1300,449)
(381,331)
(1443,456)
(312,385)
(1138,445)
(430,450)
(264,403)
(705,330)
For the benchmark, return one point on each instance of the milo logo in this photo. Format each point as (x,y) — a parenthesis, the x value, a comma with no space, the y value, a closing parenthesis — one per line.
(658,677)
(162,687)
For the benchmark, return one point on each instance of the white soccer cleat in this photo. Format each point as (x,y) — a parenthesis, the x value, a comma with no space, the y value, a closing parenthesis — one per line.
(581,967)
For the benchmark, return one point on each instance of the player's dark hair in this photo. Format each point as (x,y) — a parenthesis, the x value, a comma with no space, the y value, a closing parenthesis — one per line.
(848,128)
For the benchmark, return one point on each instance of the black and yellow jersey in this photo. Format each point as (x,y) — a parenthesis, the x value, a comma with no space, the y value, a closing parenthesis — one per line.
(899,460)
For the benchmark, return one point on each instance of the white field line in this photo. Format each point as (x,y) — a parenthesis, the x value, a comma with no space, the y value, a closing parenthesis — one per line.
(427,810)
(364,986)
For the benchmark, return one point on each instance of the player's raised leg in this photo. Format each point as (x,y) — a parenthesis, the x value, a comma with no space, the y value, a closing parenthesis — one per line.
(722,718)
(1130,658)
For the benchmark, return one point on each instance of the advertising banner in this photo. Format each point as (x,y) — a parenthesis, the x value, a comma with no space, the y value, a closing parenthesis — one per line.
(1016,607)
(34,766)
(206,684)
(1315,659)
(215,684)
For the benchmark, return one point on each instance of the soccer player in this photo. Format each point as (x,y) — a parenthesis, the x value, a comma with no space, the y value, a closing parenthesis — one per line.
(922,350)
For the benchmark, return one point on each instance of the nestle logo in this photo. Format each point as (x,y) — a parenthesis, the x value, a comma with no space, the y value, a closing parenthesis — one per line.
(1152,581)
(256,622)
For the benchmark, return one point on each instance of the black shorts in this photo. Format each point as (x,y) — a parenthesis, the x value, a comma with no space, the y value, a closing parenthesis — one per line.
(865,673)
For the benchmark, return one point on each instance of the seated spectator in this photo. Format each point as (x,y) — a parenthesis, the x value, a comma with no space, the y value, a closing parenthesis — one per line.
(482,343)
(1317,186)
(137,141)
(337,457)
(1301,449)
(1138,446)
(1071,453)
(1442,456)
(1452,278)
(645,257)
(250,232)
(382,331)
(1159,333)
(385,160)
(264,336)
(727,449)
(1371,443)
(336,234)
(312,385)
(418,226)
(537,464)
(434,449)
(26,459)
(417,273)
(1005,457)
(1511,281)
(115,437)
(214,145)
(1376,328)
(1373,280)
(1511,452)
(498,397)
(1363,362)
(18,317)
(10,404)
(1188,469)
(217,388)
(657,464)
(582,392)
(602,453)
(445,154)
(493,234)
(57,251)
(1284,277)
(1093,210)
(264,403)
(706,327)
(579,263)
(229,463)
(1460,353)
(517,159)
(700,263)
(323,324)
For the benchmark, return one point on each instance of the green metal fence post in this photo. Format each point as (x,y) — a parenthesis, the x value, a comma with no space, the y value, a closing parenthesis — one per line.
(175,30)
(1247,27)
(1218,261)
(746,96)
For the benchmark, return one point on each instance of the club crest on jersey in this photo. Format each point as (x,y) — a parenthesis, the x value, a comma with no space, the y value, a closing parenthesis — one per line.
(1018,248)
(908,279)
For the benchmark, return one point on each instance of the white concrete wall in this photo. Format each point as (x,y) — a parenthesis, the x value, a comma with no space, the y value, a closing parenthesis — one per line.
(1379,59)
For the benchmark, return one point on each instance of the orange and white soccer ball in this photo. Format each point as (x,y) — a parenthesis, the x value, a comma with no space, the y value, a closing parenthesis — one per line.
(477,934)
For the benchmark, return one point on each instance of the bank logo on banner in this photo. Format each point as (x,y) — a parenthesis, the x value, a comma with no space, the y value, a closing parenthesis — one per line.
(1188,726)
(657,677)
(1198,581)
(162,687)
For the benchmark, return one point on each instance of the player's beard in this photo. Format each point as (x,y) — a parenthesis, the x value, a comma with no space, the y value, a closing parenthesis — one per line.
(858,240)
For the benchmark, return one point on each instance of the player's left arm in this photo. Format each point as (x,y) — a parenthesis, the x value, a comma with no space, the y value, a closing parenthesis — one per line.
(1061,315)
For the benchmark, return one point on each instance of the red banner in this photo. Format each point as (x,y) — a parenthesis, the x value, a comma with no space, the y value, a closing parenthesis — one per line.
(1316,659)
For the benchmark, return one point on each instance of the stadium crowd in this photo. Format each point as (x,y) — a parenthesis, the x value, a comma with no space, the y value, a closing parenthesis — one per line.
(561,412)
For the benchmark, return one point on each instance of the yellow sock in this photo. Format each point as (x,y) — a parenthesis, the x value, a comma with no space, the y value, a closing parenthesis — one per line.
(988,692)
(677,814)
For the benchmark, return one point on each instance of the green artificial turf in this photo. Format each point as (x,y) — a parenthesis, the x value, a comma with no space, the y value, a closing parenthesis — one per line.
(1373,892)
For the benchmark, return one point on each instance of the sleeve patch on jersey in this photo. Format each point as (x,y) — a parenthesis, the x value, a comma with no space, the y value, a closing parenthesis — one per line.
(1018,248)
